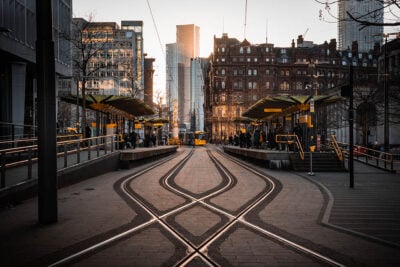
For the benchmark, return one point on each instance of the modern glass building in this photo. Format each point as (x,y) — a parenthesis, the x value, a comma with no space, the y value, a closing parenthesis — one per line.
(350,31)
(17,64)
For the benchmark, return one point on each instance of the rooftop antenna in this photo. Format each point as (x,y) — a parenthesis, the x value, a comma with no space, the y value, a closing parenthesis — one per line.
(223,24)
(245,20)
(266,32)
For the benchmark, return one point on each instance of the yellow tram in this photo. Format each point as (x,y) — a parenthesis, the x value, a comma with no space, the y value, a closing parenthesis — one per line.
(200,138)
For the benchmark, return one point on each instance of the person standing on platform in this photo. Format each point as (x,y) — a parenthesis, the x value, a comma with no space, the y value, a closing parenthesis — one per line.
(133,139)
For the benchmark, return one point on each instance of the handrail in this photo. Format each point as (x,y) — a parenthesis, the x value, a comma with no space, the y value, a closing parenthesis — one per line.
(289,140)
(34,139)
(367,155)
(27,155)
(336,147)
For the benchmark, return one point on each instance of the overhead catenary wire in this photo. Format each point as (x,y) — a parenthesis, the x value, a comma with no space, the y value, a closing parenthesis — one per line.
(155,26)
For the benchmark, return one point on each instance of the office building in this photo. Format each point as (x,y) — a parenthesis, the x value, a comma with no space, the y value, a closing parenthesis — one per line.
(17,65)
(115,65)
(350,30)
(178,58)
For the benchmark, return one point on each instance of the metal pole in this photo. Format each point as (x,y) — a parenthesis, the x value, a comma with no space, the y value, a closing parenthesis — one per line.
(47,164)
(311,172)
(386,100)
(351,133)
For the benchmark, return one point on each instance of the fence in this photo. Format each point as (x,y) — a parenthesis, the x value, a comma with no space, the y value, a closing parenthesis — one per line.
(17,163)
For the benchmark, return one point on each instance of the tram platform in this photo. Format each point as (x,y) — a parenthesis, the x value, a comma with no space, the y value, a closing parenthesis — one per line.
(18,188)
(91,211)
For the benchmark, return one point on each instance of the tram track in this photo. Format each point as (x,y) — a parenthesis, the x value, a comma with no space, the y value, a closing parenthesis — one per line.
(193,250)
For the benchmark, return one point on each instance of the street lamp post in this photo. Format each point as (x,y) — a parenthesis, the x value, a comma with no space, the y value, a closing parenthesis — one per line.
(351,125)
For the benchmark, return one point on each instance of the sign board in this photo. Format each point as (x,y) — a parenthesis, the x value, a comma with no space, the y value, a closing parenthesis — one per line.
(312,108)
(303,119)
(273,110)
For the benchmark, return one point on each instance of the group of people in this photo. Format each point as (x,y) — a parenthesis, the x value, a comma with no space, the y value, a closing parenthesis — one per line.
(260,139)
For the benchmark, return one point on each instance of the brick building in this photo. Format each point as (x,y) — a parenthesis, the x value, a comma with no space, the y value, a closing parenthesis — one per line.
(242,73)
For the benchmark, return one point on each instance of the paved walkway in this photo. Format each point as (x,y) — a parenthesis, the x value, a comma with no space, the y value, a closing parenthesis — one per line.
(320,211)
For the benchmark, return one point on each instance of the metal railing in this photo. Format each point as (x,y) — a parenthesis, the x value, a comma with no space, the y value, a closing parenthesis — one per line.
(92,148)
(369,156)
(290,139)
(336,147)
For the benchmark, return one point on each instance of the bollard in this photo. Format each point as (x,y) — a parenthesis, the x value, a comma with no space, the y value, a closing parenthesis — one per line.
(312,148)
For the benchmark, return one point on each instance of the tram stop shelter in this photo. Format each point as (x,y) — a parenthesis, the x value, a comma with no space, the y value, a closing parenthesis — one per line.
(122,106)
(269,108)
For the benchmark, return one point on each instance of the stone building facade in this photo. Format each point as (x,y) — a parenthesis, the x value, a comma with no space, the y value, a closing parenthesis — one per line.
(242,73)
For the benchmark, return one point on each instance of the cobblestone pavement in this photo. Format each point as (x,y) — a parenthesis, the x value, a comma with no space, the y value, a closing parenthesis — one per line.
(321,213)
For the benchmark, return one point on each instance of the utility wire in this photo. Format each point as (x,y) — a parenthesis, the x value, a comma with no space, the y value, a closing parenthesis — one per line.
(155,26)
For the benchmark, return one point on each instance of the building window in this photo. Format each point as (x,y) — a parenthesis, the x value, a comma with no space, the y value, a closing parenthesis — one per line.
(223,59)
(235,72)
(223,84)
(249,72)
(284,86)
(267,49)
(223,49)
(267,72)
(248,59)
(223,72)
(252,85)
(267,86)
(299,86)
(255,72)
(267,59)
(237,85)
(248,50)
(255,59)
(241,50)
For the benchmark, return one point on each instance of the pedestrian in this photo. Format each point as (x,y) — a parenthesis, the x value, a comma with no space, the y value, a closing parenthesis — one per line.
(88,134)
(133,137)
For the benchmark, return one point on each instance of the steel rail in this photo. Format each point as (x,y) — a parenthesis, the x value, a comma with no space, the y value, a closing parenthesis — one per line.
(125,233)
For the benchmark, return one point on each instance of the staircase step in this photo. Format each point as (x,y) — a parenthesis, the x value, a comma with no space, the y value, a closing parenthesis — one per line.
(321,162)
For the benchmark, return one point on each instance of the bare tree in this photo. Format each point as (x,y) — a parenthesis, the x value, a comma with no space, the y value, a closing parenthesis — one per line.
(88,43)
(369,18)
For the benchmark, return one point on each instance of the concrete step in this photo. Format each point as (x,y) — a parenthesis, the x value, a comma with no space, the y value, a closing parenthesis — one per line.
(321,161)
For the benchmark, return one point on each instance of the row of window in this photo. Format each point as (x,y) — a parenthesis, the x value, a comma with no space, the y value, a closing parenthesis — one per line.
(285,60)
(247,50)
(222,98)
(284,85)
(254,72)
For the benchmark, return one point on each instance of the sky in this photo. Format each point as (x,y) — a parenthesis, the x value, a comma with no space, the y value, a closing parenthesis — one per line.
(280,21)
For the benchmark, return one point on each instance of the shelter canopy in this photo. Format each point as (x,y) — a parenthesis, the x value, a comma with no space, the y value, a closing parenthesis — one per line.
(125,106)
(270,107)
